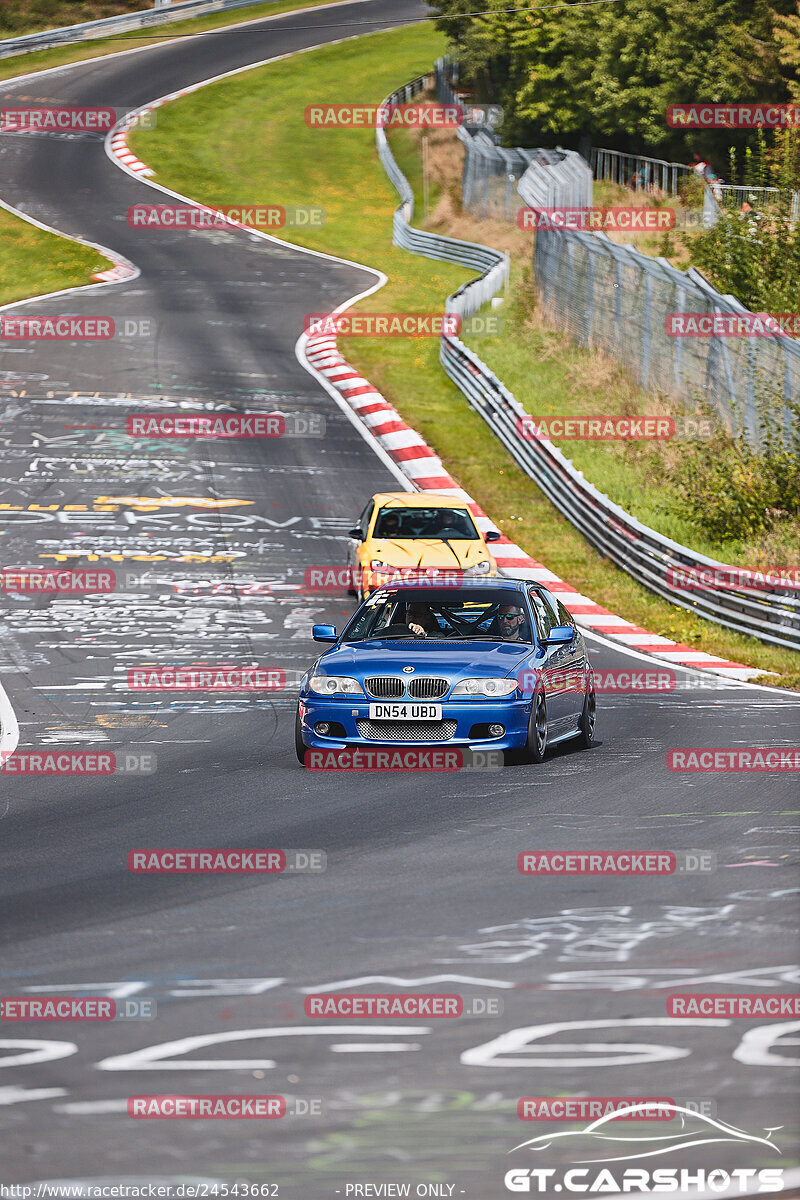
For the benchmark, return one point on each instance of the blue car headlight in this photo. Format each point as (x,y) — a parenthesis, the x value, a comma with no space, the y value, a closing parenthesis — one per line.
(335,685)
(494,689)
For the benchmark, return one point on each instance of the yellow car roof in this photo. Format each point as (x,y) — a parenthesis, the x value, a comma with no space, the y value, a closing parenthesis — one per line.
(417,500)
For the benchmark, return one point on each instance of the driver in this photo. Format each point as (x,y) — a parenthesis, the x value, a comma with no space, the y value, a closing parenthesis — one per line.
(510,623)
(420,620)
(389,524)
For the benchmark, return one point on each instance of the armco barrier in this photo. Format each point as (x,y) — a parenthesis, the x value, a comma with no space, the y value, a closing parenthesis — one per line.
(121,24)
(771,615)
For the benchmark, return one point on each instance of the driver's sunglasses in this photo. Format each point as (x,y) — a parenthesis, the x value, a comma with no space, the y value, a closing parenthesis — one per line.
(510,616)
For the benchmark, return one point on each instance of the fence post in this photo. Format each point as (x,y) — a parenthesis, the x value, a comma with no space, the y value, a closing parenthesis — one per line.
(644,369)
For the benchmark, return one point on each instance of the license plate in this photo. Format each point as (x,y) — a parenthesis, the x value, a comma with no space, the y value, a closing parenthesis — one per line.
(405,712)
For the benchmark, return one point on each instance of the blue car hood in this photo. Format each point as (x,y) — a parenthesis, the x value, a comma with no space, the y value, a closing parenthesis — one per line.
(456,660)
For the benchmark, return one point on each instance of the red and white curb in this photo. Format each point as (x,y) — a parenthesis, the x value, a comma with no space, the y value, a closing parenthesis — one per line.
(424,469)
(119,140)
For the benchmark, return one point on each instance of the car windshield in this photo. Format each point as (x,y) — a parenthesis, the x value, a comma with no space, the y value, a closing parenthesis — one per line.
(448,615)
(454,524)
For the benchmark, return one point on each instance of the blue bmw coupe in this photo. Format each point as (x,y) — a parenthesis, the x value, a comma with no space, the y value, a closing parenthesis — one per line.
(492,664)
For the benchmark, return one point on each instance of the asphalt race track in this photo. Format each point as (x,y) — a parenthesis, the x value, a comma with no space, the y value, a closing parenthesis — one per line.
(421,890)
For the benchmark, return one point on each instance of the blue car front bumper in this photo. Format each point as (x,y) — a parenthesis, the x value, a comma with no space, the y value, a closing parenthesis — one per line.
(348,711)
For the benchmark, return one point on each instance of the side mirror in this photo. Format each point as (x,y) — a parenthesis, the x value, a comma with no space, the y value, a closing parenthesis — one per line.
(492,536)
(324,633)
(560,635)
(356,534)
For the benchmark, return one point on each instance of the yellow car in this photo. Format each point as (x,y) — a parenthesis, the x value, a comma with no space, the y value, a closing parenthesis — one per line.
(408,532)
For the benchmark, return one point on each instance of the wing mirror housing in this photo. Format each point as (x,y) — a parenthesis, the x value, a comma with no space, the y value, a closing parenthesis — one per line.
(324,633)
(492,536)
(356,534)
(560,635)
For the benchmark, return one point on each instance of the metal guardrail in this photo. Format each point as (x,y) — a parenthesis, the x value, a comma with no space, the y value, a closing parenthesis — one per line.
(650,558)
(769,614)
(638,171)
(123,23)
(731,196)
(492,264)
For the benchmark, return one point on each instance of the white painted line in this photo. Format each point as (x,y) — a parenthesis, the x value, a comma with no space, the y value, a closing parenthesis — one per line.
(9,728)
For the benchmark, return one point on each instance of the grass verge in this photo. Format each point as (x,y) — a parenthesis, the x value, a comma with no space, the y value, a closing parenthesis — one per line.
(33,262)
(267,154)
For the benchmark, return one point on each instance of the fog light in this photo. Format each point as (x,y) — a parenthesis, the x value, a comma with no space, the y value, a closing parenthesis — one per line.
(494,730)
(321,727)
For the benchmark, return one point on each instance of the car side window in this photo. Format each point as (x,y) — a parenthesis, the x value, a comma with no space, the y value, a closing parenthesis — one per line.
(565,618)
(544,620)
(365,518)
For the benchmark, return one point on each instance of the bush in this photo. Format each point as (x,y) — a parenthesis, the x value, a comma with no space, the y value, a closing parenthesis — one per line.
(728,489)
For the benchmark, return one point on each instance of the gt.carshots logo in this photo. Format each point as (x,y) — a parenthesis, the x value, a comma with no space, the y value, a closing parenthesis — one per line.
(607,1175)
(581,1180)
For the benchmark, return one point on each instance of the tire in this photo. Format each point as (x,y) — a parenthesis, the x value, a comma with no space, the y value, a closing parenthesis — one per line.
(588,720)
(536,746)
(299,745)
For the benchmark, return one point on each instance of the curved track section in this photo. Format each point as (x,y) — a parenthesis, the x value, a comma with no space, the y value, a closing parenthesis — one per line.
(421,890)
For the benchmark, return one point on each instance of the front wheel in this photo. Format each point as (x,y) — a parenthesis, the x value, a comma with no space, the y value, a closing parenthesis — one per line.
(299,745)
(537,731)
(588,719)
